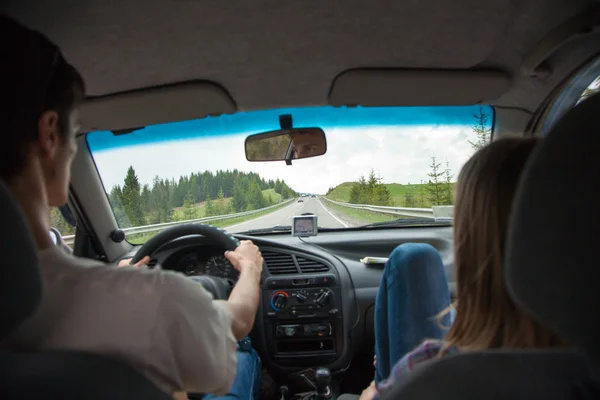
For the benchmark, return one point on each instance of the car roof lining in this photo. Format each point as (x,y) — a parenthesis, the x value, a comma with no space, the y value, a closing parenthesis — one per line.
(267,54)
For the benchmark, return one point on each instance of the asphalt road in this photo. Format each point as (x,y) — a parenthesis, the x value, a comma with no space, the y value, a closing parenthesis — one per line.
(283,216)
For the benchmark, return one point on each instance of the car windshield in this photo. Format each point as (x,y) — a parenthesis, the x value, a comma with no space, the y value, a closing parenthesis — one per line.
(392,166)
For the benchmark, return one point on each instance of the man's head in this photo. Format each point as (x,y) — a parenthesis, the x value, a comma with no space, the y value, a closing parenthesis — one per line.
(40,94)
(308,143)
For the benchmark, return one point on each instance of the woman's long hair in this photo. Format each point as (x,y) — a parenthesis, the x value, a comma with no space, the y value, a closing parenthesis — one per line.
(486,317)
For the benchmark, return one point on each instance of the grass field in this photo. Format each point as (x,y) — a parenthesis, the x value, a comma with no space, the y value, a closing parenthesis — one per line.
(398,191)
(360,217)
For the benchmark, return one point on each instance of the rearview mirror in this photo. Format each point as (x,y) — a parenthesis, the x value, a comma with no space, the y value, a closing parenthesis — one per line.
(286,144)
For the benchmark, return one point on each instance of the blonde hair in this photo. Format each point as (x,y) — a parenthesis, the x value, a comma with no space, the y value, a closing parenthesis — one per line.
(486,316)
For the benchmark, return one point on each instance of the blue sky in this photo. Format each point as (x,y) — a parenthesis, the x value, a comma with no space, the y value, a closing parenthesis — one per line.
(398,142)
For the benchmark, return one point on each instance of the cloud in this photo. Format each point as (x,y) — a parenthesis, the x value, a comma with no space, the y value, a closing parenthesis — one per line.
(401,154)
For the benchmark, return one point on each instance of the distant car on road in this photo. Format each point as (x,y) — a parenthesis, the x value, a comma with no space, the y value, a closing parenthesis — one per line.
(313,196)
(300,201)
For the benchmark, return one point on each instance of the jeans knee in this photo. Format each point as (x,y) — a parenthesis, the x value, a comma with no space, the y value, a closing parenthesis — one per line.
(408,256)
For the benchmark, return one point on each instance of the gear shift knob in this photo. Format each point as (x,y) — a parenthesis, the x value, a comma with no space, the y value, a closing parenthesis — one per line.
(322,380)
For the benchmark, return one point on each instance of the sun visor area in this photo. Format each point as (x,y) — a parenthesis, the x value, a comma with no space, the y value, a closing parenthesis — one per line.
(178,102)
(400,87)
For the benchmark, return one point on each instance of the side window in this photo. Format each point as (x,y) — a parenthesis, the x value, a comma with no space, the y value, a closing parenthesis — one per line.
(581,86)
(594,87)
(58,222)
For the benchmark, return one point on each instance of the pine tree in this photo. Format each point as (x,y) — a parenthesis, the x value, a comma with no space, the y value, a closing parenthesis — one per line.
(372,183)
(131,198)
(382,196)
(278,186)
(481,129)
(436,189)
(256,199)
(209,209)
(145,199)
(354,194)
(221,203)
(239,202)
(448,181)
(189,212)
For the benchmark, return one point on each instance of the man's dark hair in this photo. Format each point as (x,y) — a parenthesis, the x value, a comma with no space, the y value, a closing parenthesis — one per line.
(34,78)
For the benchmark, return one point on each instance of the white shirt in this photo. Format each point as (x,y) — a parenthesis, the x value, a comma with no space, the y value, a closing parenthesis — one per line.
(165,325)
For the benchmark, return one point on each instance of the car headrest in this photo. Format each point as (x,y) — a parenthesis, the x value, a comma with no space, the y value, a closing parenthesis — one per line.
(553,260)
(20,280)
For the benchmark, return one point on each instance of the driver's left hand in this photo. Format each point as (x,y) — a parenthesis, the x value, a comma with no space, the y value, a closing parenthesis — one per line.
(125,262)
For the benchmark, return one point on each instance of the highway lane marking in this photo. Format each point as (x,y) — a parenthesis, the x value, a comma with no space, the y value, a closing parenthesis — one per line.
(290,216)
(336,218)
(263,216)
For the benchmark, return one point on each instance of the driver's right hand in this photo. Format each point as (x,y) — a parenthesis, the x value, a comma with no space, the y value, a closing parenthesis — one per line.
(247,259)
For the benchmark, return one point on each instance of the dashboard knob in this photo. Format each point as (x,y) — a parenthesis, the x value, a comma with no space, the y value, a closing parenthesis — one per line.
(301,297)
(323,298)
(279,300)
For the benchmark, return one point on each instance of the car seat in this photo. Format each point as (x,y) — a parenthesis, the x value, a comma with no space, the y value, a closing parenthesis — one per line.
(49,374)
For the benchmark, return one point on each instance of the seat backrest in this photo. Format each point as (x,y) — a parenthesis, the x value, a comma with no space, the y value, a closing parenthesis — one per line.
(552,260)
(552,270)
(49,374)
(19,273)
(500,374)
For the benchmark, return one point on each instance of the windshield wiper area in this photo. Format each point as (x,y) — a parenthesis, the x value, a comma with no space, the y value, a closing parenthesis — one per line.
(276,228)
(411,221)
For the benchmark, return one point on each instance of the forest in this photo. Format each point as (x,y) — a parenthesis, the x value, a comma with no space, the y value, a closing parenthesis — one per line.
(201,194)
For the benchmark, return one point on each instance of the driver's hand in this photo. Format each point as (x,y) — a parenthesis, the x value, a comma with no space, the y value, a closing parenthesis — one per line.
(246,257)
(126,262)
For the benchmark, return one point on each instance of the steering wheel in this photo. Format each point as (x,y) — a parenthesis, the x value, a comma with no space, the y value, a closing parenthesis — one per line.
(218,287)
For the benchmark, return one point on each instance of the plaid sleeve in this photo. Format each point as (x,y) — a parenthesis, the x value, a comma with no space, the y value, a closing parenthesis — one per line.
(426,351)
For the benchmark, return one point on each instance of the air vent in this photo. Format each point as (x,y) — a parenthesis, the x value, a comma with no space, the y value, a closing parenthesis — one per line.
(311,266)
(279,263)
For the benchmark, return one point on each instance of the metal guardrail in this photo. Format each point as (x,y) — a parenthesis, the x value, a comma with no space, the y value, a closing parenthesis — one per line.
(70,239)
(435,213)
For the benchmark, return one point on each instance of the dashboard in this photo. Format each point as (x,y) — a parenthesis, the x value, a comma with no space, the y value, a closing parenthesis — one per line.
(203,260)
(318,299)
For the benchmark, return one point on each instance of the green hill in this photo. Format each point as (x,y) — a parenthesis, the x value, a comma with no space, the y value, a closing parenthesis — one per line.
(398,191)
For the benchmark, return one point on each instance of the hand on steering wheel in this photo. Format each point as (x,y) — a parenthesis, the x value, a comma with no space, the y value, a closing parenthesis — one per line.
(247,257)
(126,262)
(219,287)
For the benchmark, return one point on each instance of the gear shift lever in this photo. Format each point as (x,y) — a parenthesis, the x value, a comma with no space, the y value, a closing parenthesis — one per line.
(322,381)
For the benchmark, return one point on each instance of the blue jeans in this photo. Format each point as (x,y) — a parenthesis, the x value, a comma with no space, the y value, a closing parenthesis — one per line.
(246,385)
(413,291)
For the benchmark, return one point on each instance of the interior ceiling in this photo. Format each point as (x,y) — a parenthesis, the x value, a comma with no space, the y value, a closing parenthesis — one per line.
(286,53)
